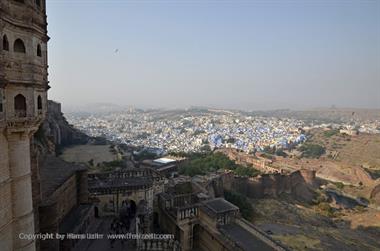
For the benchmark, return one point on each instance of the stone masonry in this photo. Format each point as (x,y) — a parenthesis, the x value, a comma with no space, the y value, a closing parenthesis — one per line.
(23,95)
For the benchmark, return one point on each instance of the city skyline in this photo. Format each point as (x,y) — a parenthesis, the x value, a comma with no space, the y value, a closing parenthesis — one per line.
(248,55)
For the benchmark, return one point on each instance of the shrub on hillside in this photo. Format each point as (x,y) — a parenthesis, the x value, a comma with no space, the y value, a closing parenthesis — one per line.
(312,150)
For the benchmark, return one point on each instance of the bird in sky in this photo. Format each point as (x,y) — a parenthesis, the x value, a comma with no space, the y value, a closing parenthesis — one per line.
(117,50)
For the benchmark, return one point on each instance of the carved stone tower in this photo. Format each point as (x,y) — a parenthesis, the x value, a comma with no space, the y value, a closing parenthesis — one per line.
(23,100)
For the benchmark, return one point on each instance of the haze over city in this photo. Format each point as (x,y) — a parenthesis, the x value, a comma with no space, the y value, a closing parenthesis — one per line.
(245,54)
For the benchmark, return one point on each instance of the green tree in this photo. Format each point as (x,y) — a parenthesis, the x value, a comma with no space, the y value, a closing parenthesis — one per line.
(145,155)
(280,152)
(246,171)
(91,162)
(210,162)
(269,149)
(339,185)
(331,133)
(241,202)
(312,150)
(231,140)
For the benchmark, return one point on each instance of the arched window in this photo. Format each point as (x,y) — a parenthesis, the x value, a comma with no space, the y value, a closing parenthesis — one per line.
(5,43)
(20,106)
(38,3)
(39,103)
(19,46)
(39,54)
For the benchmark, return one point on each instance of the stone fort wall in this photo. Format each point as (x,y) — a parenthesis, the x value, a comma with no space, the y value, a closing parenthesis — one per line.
(299,184)
(259,163)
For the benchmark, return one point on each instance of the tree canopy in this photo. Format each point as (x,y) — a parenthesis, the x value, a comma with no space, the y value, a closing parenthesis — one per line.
(205,163)
(241,202)
(312,150)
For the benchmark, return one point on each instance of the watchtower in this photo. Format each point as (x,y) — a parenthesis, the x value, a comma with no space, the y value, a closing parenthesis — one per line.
(23,101)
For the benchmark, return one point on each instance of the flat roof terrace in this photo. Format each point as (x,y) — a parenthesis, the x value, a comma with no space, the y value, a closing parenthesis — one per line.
(54,172)
(243,238)
(164,161)
(220,205)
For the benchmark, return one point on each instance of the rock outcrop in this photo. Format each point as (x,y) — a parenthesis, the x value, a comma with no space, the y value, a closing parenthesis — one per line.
(348,175)
(55,132)
(375,194)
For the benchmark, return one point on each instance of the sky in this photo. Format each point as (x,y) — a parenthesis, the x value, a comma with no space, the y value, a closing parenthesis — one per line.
(228,54)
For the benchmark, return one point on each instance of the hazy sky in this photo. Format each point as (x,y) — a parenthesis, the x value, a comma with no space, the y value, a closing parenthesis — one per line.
(237,54)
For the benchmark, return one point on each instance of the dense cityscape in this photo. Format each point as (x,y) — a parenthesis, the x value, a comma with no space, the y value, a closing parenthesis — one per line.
(195,130)
(190,132)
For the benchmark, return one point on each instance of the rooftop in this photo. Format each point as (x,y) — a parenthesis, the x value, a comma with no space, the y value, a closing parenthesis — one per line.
(126,182)
(244,239)
(220,205)
(164,161)
(54,172)
(126,178)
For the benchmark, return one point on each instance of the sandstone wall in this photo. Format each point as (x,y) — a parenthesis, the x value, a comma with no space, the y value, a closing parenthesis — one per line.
(82,187)
(22,201)
(54,209)
(215,187)
(298,184)
(244,159)
(36,188)
(66,197)
(5,196)
(49,224)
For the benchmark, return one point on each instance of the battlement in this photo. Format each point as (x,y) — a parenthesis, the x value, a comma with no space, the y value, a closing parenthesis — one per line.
(54,107)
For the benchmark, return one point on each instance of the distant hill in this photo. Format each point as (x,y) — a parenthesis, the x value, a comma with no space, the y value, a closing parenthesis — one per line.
(328,115)
(96,108)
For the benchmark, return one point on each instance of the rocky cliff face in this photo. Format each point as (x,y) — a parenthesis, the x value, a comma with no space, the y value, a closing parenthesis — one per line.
(55,132)
(299,184)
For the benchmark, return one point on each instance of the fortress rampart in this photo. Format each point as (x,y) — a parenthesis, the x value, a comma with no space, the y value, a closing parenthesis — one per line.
(299,184)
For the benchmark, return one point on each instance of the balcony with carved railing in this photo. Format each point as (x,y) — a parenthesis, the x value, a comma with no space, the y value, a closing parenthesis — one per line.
(21,120)
(189,212)
(181,200)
